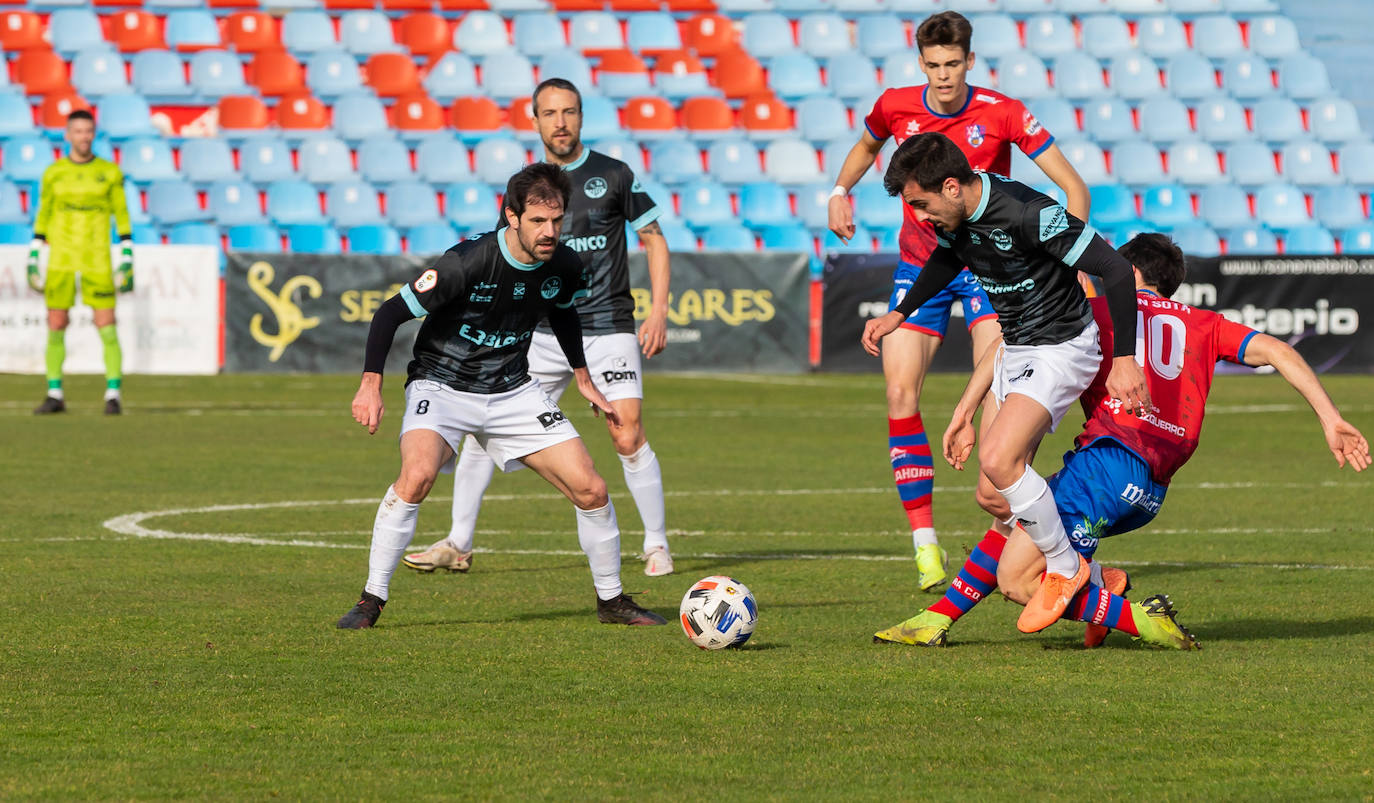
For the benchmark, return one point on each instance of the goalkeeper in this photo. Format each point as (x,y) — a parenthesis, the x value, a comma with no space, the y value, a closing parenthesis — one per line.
(77,197)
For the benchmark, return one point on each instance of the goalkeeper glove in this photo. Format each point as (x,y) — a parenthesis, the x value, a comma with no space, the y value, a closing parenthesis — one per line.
(125,269)
(35,255)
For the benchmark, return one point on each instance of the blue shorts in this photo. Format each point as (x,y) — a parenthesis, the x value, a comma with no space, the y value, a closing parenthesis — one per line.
(933,316)
(1104,489)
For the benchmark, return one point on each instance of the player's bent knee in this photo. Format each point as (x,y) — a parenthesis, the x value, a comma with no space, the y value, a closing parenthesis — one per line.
(589,493)
(414,486)
(902,401)
(627,440)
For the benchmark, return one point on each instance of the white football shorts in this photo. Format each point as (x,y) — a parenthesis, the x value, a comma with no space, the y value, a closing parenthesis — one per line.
(1054,376)
(613,360)
(508,426)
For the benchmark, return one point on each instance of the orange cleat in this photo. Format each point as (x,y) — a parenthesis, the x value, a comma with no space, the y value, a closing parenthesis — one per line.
(1052,598)
(1118,582)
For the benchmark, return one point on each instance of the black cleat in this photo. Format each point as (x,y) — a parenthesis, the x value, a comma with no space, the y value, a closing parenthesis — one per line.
(112,407)
(49,406)
(622,610)
(364,614)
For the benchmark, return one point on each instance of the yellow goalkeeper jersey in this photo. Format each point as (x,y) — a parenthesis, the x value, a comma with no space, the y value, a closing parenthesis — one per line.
(75,202)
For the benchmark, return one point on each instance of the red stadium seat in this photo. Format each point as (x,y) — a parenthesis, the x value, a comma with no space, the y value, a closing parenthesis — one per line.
(565,6)
(521,115)
(688,6)
(463,5)
(242,113)
(678,62)
(417,111)
(620,60)
(710,35)
(57,105)
(21,30)
(623,6)
(301,111)
(136,30)
(406,5)
(41,71)
(707,114)
(739,74)
(649,114)
(477,114)
(251,31)
(763,112)
(275,72)
(425,34)
(392,74)
(350,4)
(232,3)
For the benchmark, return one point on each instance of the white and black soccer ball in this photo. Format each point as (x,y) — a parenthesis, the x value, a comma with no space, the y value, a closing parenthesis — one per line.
(718,611)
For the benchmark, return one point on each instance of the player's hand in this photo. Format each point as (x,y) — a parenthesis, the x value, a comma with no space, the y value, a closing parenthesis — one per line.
(841,217)
(125,268)
(367,402)
(1347,444)
(589,391)
(35,256)
(878,328)
(653,333)
(1126,383)
(959,438)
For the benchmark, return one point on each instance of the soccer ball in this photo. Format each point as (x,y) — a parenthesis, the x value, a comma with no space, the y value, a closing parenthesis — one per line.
(718,612)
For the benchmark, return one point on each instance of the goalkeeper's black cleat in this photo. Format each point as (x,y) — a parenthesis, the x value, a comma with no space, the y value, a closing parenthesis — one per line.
(364,614)
(50,405)
(622,610)
(112,407)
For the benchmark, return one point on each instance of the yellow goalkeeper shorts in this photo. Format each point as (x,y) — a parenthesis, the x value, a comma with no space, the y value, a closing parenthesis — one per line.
(97,289)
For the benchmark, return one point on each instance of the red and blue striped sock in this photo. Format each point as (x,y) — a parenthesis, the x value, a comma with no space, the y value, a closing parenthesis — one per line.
(976,580)
(912,468)
(1097,605)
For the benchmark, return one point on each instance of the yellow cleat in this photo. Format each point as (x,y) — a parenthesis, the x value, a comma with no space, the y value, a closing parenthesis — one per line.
(931,563)
(1154,618)
(925,629)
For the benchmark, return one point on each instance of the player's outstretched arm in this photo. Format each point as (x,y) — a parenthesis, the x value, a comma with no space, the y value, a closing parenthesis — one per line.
(367,402)
(653,333)
(961,434)
(1346,442)
(859,159)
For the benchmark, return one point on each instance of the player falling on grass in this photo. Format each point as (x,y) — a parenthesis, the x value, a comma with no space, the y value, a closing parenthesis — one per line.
(605,198)
(77,196)
(470,376)
(1116,477)
(1026,250)
(984,124)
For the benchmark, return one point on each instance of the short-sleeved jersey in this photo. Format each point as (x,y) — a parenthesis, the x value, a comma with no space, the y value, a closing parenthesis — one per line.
(482,306)
(605,197)
(1178,347)
(984,129)
(1023,247)
(75,202)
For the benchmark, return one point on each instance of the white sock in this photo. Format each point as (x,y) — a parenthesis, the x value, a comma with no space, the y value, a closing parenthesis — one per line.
(599,536)
(1033,504)
(56,393)
(392,531)
(470,481)
(112,393)
(645,481)
(923,536)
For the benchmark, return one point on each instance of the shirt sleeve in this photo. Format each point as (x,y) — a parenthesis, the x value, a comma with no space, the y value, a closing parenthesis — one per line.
(118,204)
(437,286)
(637,205)
(1026,131)
(575,279)
(876,121)
(1054,230)
(1230,338)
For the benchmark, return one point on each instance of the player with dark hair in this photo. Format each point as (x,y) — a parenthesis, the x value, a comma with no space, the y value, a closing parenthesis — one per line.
(76,198)
(984,124)
(605,198)
(470,376)
(1026,251)
(1116,477)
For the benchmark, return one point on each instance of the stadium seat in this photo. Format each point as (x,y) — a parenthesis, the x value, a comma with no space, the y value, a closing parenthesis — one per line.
(1105,35)
(431,238)
(352,203)
(679,237)
(649,117)
(739,75)
(98,71)
(878,211)
(52,115)
(364,32)
(159,76)
(788,236)
(1247,77)
(1112,205)
(709,35)
(416,115)
(622,75)
(822,35)
(813,206)
(1355,240)
(498,158)
(471,206)
(125,116)
(254,237)
(241,115)
(624,150)
(1162,37)
(1107,120)
(1224,206)
(16,115)
(411,203)
(144,233)
(392,74)
(441,159)
(733,161)
(1279,205)
(1277,120)
(1357,163)
(191,29)
(40,71)
(1274,37)
(374,238)
(878,36)
(822,118)
(1049,36)
(475,118)
(766,117)
(21,30)
(331,73)
(704,203)
(600,118)
(1165,206)
(1309,239)
(216,73)
(1022,75)
(194,234)
(171,200)
(1055,114)
(453,76)
(537,33)
(313,238)
(595,30)
(384,159)
(1164,120)
(359,115)
(72,30)
(233,203)
(251,31)
(567,64)
(794,75)
(1077,76)
(425,35)
(851,76)
(860,243)
(293,201)
(998,35)
(1217,36)
(306,32)
(727,236)
(675,161)
(1335,120)
(903,69)
(1221,120)
(481,33)
(324,159)
(764,203)
(146,159)
(1193,162)
(132,31)
(275,72)
(299,114)
(1134,77)
(1195,239)
(1088,159)
(679,75)
(1307,162)
(791,161)
(652,32)
(1303,77)
(1338,207)
(507,75)
(15,233)
(11,207)
(1190,76)
(25,157)
(1250,163)
(767,35)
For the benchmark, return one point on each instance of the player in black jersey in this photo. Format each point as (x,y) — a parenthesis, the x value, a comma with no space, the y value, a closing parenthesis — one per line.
(605,199)
(480,303)
(1025,250)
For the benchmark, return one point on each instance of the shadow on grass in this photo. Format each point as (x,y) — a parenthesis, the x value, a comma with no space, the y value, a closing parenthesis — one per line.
(1269,629)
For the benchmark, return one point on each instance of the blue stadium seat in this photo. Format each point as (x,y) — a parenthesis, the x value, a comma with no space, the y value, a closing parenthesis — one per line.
(293,201)
(16,115)
(823,35)
(1250,163)
(1307,162)
(1277,120)
(1311,239)
(1247,77)
(481,33)
(1190,76)
(146,159)
(352,203)
(1050,35)
(1217,36)
(11,208)
(675,161)
(704,203)
(727,237)
(194,234)
(374,238)
(498,158)
(158,75)
(875,208)
(767,35)
(133,197)
(1088,159)
(173,201)
(98,71)
(194,27)
(851,75)
(313,238)
(1134,76)
(1136,162)
(1105,35)
(125,116)
(622,86)
(901,69)
(411,203)
(215,73)
(880,35)
(1274,37)
(791,161)
(72,30)
(536,33)
(763,203)
(679,237)
(1078,76)
(623,149)
(889,242)
(254,237)
(1166,205)
(234,203)
(1022,75)
(453,76)
(364,32)
(1281,206)
(431,238)
(15,233)
(1112,205)
(1335,120)
(1196,239)
(813,206)
(1162,37)
(265,158)
(860,243)
(1357,163)
(822,118)
(360,115)
(794,75)
(1338,207)
(306,32)
(794,8)
(384,159)
(998,35)
(1223,206)
(507,75)
(1221,120)
(145,234)
(733,161)
(1303,77)
(1108,120)
(324,159)
(1194,163)
(1055,114)
(331,73)
(568,64)
(1164,120)
(1355,240)
(600,118)
(471,206)
(594,30)
(441,159)
(652,30)
(788,236)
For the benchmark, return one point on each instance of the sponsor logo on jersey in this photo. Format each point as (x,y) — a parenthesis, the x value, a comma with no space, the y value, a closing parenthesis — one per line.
(1001,239)
(482,293)
(595,187)
(1029,124)
(426,281)
(290,320)
(988,99)
(552,418)
(518,291)
(581,244)
(1053,220)
(550,287)
(495,340)
(975,133)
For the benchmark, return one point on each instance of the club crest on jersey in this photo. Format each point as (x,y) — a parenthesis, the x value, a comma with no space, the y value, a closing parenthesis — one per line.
(1030,124)
(550,287)
(975,133)
(518,291)
(1001,239)
(595,187)
(1053,220)
(913,128)
(426,281)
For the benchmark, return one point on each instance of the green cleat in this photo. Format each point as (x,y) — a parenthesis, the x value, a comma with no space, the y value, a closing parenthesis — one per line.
(931,563)
(925,629)
(1154,618)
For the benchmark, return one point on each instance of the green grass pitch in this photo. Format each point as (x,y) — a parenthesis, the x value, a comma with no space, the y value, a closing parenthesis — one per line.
(203,662)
